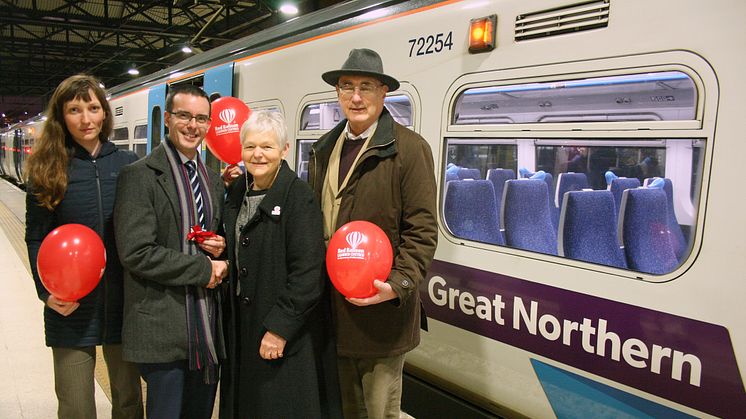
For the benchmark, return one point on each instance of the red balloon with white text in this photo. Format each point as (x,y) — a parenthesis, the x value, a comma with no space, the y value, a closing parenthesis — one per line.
(358,253)
(223,138)
(71,261)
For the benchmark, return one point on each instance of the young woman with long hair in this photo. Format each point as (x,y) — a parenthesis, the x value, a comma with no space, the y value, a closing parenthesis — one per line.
(71,174)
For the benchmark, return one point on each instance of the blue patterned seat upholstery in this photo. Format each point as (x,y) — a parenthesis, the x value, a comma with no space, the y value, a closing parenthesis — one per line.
(498,177)
(525,216)
(618,186)
(469,211)
(643,230)
(588,229)
(567,182)
(467,173)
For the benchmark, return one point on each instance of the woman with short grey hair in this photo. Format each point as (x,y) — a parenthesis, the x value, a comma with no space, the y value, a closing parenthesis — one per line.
(283,361)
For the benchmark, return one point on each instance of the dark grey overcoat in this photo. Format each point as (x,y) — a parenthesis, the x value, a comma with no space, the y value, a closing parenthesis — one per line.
(280,268)
(147,221)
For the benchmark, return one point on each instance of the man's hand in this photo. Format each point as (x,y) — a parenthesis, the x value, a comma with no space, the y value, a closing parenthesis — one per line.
(214,245)
(231,173)
(385,293)
(219,271)
(65,308)
(272,346)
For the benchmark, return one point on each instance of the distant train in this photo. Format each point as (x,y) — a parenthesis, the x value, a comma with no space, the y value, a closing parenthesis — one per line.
(592,251)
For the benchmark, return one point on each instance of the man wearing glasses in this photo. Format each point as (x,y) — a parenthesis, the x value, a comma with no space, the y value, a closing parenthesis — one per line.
(371,168)
(171,305)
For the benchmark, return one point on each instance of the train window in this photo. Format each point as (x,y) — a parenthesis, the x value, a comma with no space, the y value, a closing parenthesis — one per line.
(326,115)
(141,150)
(123,146)
(141,131)
(576,206)
(657,96)
(120,134)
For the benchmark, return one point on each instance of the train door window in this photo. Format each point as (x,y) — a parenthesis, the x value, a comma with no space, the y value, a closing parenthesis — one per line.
(483,199)
(155,129)
(657,96)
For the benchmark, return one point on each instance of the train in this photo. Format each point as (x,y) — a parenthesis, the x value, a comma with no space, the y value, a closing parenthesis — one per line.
(587,154)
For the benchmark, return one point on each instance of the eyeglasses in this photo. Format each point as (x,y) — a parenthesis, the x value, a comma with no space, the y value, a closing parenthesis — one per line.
(365,89)
(185,117)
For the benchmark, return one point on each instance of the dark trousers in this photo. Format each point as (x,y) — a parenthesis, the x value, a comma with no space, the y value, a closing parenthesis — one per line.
(176,392)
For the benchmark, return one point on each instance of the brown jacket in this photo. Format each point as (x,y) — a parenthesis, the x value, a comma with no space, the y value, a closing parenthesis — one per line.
(393,186)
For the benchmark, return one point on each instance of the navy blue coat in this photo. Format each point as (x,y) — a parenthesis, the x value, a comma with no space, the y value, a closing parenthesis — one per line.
(88,200)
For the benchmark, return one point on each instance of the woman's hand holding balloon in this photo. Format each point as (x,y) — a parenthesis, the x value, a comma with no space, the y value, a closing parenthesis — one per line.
(65,308)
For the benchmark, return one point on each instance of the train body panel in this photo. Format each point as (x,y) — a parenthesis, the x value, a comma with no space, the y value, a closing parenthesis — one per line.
(643,90)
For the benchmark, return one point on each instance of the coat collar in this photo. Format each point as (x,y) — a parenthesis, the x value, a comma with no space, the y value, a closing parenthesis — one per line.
(273,202)
(107,147)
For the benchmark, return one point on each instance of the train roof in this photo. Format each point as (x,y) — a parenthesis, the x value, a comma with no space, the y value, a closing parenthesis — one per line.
(322,21)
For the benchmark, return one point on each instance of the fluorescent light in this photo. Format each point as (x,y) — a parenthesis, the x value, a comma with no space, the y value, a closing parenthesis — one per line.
(289,9)
(186,49)
(133,71)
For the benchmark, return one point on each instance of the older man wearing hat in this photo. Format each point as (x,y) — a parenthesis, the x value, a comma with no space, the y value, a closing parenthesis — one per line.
(371,168)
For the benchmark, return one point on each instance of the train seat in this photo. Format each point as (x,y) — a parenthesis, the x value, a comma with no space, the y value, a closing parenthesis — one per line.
(525,217)
(569,181)
(588,230)
(498,177)
(469,211)
(643,231)
(618,186)
(452,172)
(674,228)
(467,173)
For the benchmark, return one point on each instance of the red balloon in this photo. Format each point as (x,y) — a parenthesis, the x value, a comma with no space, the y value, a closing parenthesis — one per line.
(358,253)
(71,261)
(223,137)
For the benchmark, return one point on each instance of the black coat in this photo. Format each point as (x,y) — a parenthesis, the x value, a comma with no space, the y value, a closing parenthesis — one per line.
(88,200)
(280,259)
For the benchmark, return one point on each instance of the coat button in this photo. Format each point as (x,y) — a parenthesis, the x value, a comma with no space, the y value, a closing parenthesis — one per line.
(405,283)
(245,242)
(246,300)
(244,272)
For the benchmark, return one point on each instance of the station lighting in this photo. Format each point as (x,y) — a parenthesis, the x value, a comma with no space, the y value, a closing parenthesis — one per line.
(186,49)
(133,71)
(289,9)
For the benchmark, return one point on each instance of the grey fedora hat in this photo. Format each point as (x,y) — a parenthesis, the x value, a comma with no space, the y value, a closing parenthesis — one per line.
(362,62)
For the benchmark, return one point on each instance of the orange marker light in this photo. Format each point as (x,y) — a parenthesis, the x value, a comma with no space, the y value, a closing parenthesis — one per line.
(482,34)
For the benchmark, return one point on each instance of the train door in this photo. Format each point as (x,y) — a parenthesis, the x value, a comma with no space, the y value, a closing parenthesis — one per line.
(156,107)
(218,82)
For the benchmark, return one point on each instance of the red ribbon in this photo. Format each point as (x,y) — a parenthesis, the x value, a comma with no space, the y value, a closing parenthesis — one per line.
(196,234)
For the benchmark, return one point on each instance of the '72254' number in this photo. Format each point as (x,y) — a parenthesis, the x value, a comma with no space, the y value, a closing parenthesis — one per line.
(430,44)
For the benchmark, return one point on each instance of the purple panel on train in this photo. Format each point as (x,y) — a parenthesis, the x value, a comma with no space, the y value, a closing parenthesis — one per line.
(683,360)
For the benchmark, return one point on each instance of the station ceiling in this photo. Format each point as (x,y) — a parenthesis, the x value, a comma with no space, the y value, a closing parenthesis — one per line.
(44,41)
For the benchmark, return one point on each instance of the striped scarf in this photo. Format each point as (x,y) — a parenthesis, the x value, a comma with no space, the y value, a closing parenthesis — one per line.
(204,322)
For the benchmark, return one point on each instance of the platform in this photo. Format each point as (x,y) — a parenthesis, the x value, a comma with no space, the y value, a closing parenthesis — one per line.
(27,384)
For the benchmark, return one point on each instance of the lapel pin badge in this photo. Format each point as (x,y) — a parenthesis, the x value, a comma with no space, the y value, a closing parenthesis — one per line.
(276,210)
